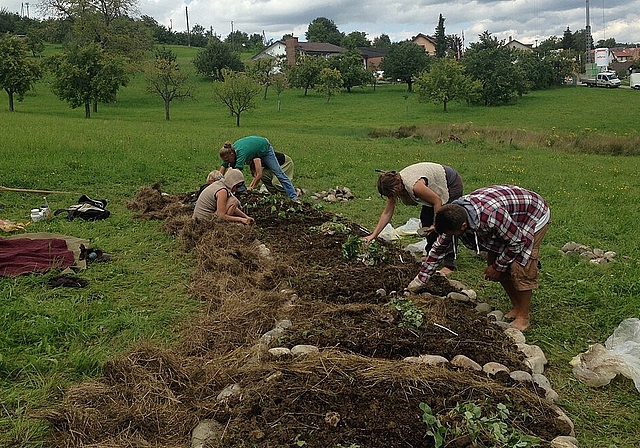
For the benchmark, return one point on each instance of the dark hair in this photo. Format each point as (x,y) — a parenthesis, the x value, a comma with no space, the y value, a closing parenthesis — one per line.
(389,183)
(450,217)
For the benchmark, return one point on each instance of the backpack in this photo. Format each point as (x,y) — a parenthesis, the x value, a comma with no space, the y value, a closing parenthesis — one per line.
(87,209)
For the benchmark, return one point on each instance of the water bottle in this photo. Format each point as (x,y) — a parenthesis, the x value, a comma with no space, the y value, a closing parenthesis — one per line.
(45,210)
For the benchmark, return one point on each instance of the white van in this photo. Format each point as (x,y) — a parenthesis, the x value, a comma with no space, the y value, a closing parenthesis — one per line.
(634,80)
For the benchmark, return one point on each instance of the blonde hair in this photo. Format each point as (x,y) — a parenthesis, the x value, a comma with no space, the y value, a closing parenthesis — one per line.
(226,150)
(389,184)
(214,176)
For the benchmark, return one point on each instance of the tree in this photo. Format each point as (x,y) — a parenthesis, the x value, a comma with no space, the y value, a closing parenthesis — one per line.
(85,75)
(441,39)
(355,39)
(548,45)
(216,57)
(607,43)
(454,45)
(444,82)
(403,61)
(329,82)
(18,73)
(567,42)
(494,65)
(323,30)
(351,69)
(280,84)
(305,72)
(382,41)
(166,79)
(237,92)
(262,71)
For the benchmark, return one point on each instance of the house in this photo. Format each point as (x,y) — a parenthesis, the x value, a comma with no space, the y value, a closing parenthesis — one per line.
(426,42)
(625,54)
(372,57)
(519,45)
(291,47)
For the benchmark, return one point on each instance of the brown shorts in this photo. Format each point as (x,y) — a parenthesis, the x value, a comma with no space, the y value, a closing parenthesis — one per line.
(524,278)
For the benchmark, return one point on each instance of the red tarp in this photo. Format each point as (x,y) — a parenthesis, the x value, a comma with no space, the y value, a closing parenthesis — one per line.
(24,255)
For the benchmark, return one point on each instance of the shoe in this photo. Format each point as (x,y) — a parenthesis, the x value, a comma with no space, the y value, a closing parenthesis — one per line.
(416,286)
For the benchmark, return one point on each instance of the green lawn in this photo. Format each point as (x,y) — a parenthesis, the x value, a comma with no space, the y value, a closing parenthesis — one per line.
(50,338)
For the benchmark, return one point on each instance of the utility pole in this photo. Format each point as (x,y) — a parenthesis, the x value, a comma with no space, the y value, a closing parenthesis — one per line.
(186,11)
(587,38)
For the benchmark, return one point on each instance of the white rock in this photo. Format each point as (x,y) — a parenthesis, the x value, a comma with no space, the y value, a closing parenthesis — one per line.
(271,335)
(483,308)
(521,375)
(493,368)
(502,324)
(515,334)
(470,293)
(284,324)
(497,314)
(458,297)
(531,351)
(432,360)
(203,432)
(229,391)
(457,285)
(563,417)
(278,352)
(551,395)
(465,363)
(536,364)
(564,442)
(300,350)
(541,380)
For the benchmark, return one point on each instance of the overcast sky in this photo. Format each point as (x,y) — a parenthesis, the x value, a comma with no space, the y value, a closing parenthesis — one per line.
(528,21)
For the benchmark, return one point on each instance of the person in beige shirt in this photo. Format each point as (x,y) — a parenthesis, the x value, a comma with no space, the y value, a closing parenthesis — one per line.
(217,199)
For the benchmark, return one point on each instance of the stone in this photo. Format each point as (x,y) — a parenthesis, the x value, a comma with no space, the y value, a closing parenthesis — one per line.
(229,391)
(565,421)
(273,377)
(515,334)
(496,314)
(332,418)
(536,364)
(493,368)
(470,293)
(551,395)
(457,285)
(381,292)
(284,324)
(432,360)
(502,324)
(466,363)
(205,431)
(483,308)
(271,335)
(531,351)
(279,352)
(458,297)
(521,376)
(541,380)
(570,246)
(564,442)
(300,350)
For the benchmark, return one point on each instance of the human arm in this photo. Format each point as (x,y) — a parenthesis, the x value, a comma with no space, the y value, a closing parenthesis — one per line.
(256,172)
(508,236)
(385,218)
(426,194)
(227,208)
(223,168)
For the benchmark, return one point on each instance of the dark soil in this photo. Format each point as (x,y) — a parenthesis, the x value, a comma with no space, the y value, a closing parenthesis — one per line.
(356,391)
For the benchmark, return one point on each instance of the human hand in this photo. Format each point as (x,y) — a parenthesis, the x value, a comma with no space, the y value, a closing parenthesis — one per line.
(249,221)
(416,286)
(369,238)
(491,274)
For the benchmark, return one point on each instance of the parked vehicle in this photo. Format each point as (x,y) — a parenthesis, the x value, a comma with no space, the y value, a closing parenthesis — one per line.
(603,79)
(634,81)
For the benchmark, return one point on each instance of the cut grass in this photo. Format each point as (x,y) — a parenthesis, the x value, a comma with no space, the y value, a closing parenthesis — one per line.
(52,338)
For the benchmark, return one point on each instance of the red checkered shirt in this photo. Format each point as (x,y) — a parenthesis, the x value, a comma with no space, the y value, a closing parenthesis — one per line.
(506,223)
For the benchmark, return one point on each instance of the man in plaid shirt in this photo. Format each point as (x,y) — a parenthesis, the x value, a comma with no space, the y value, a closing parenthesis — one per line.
(509,223)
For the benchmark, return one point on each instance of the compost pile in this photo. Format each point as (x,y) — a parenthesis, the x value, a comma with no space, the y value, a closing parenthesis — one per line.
(282,284)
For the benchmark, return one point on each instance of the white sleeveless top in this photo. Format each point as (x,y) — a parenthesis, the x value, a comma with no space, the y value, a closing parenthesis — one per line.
(436,180)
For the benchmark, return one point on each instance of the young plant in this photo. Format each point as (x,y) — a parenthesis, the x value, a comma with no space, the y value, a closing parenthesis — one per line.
(369,253)
(412,316)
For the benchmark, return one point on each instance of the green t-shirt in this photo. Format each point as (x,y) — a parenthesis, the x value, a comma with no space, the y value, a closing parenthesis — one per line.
(247,149)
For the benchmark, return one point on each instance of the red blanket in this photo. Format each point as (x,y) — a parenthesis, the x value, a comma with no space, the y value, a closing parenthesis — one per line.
(23,255)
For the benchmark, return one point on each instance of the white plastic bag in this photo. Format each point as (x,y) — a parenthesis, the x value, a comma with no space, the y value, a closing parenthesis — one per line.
(410,227)
(619,355)
(389,233)
(418,247)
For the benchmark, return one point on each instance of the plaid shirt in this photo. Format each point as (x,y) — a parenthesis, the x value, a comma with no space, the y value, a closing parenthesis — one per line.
(506,223)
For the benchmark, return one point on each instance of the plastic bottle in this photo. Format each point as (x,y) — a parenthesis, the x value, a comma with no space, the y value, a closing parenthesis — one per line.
(45,210)
(36,214)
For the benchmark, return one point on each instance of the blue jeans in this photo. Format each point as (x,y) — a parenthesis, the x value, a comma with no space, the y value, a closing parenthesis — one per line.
(271,162)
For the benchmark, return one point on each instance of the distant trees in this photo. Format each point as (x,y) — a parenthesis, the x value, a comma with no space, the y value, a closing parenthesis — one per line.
(216,57)
(351,68)
(18,72)
(165,78)
(86,75)
(404,61)
(305,72)
(441,39)
(262,71)
(237,92)
(329,82)
(324,30)
(355,40)
(445,81)
(382,41)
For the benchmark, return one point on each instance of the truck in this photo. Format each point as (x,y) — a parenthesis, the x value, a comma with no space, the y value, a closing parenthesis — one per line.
(634,81)
(602,79)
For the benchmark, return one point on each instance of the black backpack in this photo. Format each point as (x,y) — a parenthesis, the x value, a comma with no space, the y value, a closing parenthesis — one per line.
(87,209)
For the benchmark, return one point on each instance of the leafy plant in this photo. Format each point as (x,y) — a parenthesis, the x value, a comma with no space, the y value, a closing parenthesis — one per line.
(369,253)
(412,316)
(331,227)
(466,419)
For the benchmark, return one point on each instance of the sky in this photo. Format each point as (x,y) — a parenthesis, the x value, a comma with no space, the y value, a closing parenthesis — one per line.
(528,21)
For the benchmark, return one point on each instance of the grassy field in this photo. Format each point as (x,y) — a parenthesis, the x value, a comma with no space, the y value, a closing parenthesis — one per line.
(561,143)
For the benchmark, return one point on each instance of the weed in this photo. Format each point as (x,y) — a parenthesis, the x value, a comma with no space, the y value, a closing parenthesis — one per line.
(412,316)
(369,253)
(331,227)
(466,420)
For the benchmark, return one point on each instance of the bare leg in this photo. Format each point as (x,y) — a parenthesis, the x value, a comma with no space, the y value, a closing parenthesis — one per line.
(521,301)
